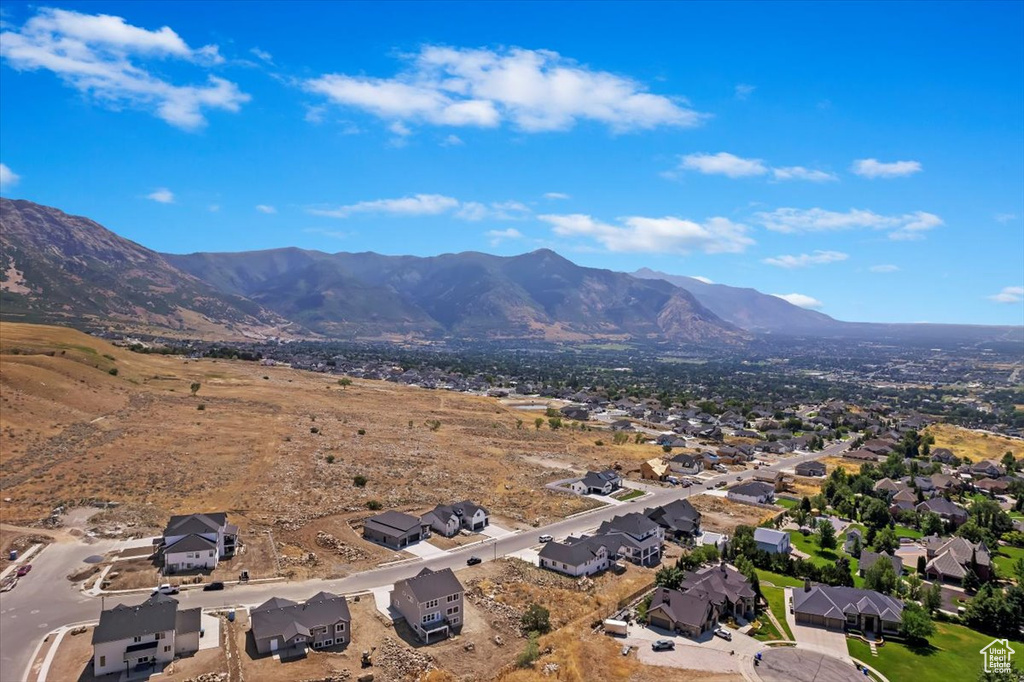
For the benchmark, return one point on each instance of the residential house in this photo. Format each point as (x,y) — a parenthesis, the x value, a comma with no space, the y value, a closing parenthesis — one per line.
(868,559)
(943,455)
(634,537)
(904,500)
(946,510)
(679,519)
(986,468)
(321,621)
(944,483)
(888,486)
(197,541)
(854,542)
(752,492)
(838,608)
(878,446)
(150,634)
(688,614)
(654,469)
(993,486)
(432,603)
(575,412)
(772,541)
(861,455)
(950,558)
(811,468)
(925,485)
(395,529)
(602,482)
(622,425)
(725,587)
(451,518)
(685,464)
(576,556)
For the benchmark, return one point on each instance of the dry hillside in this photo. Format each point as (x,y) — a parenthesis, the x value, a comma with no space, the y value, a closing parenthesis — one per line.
(256,441)
(974,445)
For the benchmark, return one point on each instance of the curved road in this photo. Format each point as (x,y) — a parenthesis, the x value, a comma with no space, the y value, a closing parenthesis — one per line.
(46,600)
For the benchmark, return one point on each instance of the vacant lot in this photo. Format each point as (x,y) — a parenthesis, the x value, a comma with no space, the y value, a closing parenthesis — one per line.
(974,445)
(278,449)
(722,515)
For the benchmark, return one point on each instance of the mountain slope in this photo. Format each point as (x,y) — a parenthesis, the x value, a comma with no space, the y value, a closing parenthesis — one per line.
(55,267)
(750,309)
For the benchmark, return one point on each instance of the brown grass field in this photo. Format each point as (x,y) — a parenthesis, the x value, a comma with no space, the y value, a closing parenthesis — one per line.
(974,445)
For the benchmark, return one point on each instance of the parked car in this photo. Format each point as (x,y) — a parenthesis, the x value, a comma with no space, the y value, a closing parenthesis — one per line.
(663,645)
(545,538)
(166,588)
(23,570)
(473,561)
(215,585)
(724,634)
(739,478)
(625,650)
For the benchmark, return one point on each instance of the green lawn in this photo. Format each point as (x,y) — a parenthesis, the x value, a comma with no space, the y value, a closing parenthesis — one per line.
(628,495)
(952,654)
(905,532)
(1005,560)
(824,557)
(776,597)
(788,504)
(778,579)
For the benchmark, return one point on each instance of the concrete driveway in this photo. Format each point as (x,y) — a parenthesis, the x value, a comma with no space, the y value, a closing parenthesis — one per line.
(424,550)
(704,653)
(826,641)
(496,531)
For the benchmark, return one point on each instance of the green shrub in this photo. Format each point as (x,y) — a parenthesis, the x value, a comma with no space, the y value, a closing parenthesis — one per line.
(374,505)
(359,481)
(112,371)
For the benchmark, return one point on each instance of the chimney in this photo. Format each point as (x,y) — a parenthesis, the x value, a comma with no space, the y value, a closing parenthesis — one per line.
(807,584)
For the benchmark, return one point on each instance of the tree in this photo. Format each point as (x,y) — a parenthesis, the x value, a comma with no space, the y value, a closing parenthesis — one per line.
(536,619)
(881,576)
(555,423)
(669,576)
(195,387)
(826,534)
(875,514)
(922,564)
(1018,570)
(931,524)
(538,422)
(805,504)
(932,597)
(916,624)
(855,550)
(344,382)
(530,653)
(886,541)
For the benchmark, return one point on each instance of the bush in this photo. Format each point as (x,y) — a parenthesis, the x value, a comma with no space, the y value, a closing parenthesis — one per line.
(599,442)
(330,459)
(359,481)
(361,432)
(314,429)
(201,406)
(536,619)
(529,654)
(374,505)
(112,371)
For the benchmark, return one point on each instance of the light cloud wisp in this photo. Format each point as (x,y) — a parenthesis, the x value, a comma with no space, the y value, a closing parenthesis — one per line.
(655,235)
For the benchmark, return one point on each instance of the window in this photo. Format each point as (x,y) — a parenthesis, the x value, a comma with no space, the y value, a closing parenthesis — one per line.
(454,609)
(453,597)
(136,639)
(328,642)
(431,604)
(103,661)
(167,648)
(160,635)
(340,627)
(455,620)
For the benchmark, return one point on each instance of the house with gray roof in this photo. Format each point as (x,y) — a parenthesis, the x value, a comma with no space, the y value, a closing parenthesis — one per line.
(679,519)
(686,464)
(395,529)
(868,559)
(575,556)
(752,492)
(601,482)
(432,603)
(321,621)
(197,542)
(449,519)
(147,635)
(772,541)
(947,511)
(810,468)
(725,587)
(688,614)
(949,559)
(838,608)
(634,537)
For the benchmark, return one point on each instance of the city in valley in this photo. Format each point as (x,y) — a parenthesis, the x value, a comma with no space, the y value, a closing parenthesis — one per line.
(355,343)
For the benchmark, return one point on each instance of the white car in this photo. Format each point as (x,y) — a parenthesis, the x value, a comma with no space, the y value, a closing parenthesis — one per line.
(545,538)
(166,588)
(724,634)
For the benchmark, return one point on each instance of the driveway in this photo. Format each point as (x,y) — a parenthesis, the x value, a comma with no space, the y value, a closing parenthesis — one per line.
(705,653)
(496,531)
(528,555)
(826,641)
(424,550)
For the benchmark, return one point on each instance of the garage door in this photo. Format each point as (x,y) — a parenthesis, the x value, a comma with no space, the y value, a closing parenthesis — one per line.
(661,622)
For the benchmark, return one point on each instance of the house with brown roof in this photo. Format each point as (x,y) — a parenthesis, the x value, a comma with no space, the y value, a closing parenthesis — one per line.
(947,511)
(950,558)
(688,614)
(725,587)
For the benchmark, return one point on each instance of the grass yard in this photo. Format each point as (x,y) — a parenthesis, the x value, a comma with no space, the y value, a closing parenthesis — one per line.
(907,532)
(778,579)
(788,504)
(952,654)
(825,557)
(776,597)
(1005,560)
(628,495)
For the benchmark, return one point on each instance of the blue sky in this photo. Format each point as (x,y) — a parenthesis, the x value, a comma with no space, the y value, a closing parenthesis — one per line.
(866,160)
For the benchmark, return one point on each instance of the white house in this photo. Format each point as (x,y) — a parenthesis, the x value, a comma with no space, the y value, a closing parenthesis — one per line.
(688,465)
(752,492)
(771,541)
(198,541)
(148,635)
(576,556)
(447,520)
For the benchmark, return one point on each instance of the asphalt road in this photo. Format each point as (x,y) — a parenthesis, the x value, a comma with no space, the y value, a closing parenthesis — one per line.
(45,599)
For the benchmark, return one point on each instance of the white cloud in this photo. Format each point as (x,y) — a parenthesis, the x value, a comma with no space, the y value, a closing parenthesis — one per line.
(265,208)
(884,268)
(1005,217)
(801,300)
(801,173)
(534,90)
(723,163)
(213,208)
(743,91)
(161,195)
(400,129)
(498,236)
(1009,295)
(873,168)
(730,165)
(100,55)
(701,279)
(418,204)
(556,195)
(907,226)
(8,178)
(262,55)
(806,259)
(315,114)
(655,235)
(452,141)
(497,210)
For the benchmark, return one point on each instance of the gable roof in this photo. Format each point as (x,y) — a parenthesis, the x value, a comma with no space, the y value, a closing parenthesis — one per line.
(680,607)
(769,536)
(868,559)
(156,614)
(191,543)
(574,551)
(837,602)
(427,584)
(634,524)
(942,506)
(718,583)
(678,515)
(195,523)
(286,619)
(753,489)
(393,522)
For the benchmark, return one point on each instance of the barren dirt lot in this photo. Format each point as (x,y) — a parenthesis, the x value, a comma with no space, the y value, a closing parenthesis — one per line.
(974,445)
(278,449)
(722,515)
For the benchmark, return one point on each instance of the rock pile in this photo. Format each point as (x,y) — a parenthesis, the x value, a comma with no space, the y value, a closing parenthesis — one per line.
(399,662)
(339,547)
(209,677)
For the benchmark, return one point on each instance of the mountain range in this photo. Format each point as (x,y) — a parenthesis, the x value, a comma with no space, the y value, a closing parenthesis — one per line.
(66,269)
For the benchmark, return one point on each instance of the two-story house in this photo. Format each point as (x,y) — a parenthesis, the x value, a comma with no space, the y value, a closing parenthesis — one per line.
(197,541)
(686,465)
(432,603)
(679,519)
(576,556)
(449,519)
(634,537)
(601,482)
(321,621)
(145,636)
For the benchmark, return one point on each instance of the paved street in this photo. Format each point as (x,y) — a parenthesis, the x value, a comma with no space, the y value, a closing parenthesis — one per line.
(46,600)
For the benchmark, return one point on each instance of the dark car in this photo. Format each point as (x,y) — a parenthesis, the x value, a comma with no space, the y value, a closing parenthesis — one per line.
(473,561)
(739,478)
(210,587)
(663,645)
(23,570)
